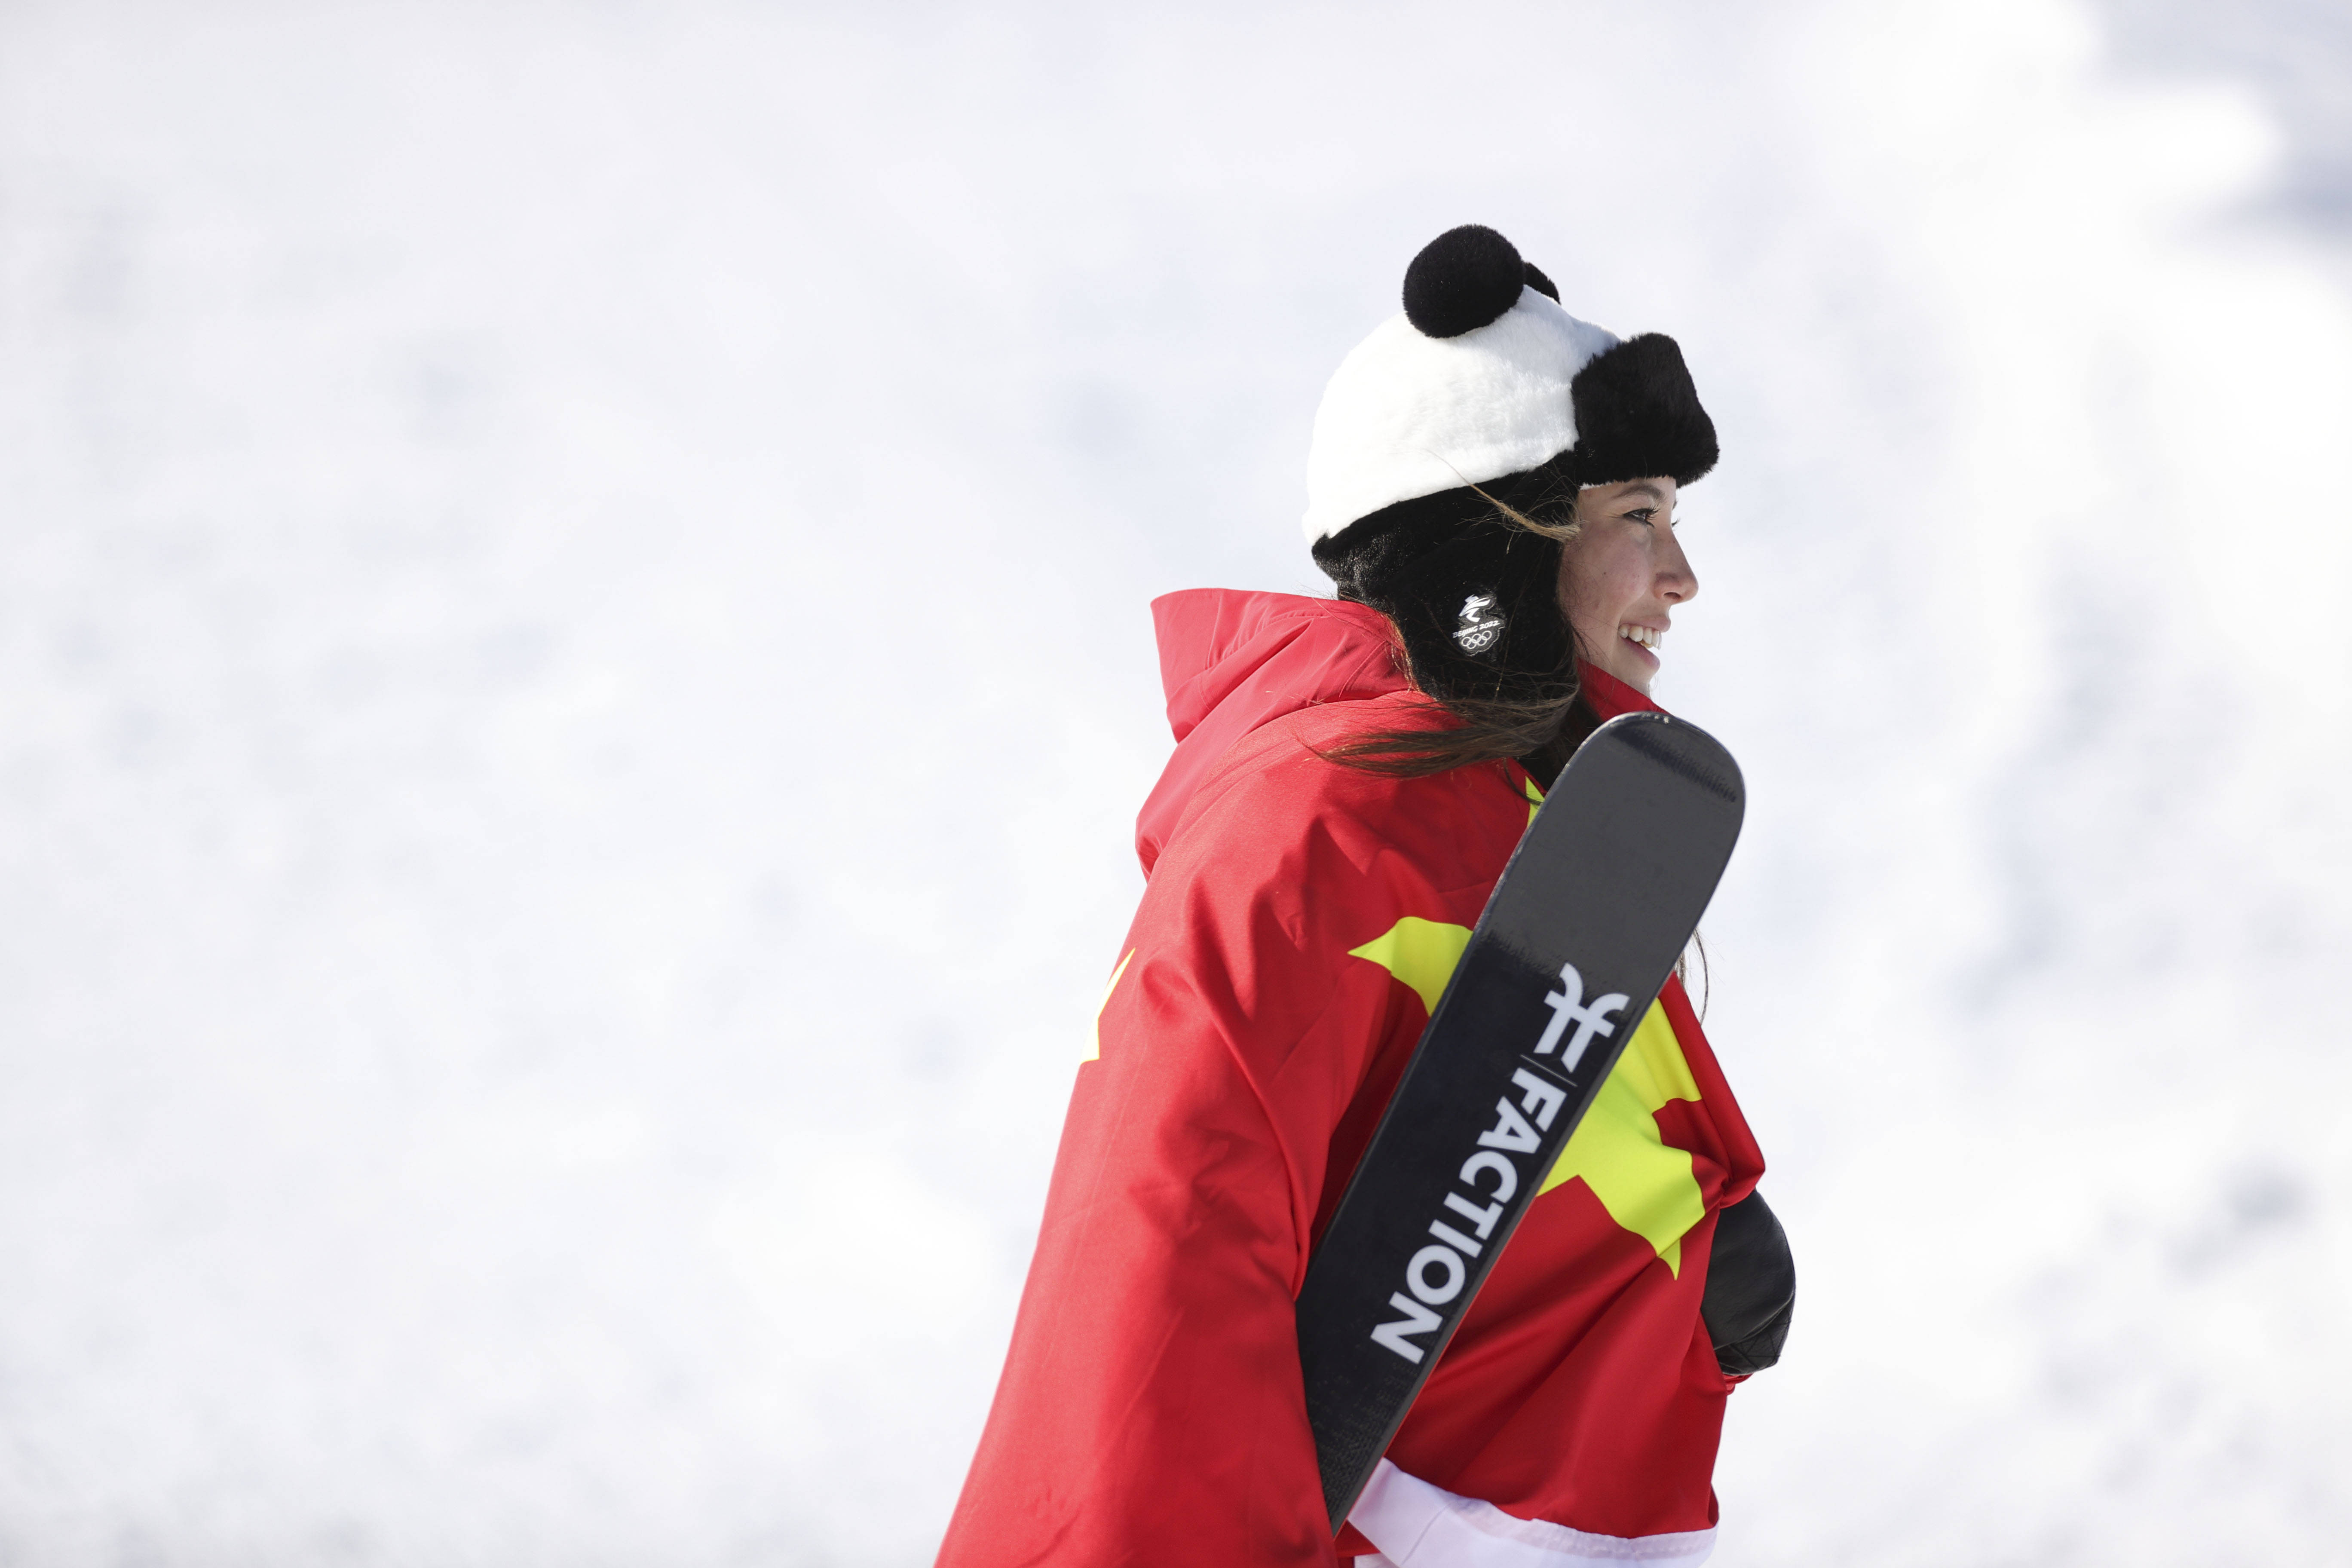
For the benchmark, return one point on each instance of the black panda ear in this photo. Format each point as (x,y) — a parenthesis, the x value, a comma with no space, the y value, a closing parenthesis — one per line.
(1541,284)
(1638,415)
(1462,281)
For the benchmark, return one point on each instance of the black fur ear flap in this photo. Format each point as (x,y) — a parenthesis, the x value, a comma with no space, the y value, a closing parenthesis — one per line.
(1475,598)
(1462,281)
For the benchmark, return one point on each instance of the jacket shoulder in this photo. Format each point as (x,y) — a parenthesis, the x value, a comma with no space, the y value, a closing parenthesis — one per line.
(1278,789)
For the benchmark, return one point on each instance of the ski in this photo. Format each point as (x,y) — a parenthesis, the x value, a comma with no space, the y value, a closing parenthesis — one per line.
(1596,904)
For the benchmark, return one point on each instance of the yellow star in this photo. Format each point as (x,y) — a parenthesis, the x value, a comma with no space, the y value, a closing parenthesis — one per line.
(1617,1151)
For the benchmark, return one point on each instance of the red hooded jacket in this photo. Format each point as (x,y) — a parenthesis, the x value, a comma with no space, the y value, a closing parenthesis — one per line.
(1300,920)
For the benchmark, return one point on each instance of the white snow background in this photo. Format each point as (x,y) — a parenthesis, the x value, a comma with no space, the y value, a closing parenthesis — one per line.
(574,675)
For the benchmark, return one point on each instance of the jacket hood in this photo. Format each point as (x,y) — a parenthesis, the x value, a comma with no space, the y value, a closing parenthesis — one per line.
(1232,662)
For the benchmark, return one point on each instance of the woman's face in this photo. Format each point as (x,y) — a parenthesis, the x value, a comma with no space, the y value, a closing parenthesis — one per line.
(1623,575)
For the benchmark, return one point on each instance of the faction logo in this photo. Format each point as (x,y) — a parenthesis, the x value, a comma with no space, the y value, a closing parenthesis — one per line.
(1645,1187)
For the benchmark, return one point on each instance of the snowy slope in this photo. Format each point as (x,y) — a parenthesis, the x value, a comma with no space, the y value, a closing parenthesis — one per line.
(573,679)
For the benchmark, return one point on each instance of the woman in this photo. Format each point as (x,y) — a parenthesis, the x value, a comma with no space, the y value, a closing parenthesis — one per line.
(1491,487)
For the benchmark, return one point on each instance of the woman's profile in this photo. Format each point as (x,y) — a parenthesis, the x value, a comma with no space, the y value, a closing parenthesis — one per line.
(1491,487)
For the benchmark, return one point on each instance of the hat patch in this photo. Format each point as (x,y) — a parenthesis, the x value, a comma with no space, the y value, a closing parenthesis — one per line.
(1480,626)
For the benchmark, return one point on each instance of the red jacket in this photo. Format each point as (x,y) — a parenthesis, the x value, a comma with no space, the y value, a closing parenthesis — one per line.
(1300,920)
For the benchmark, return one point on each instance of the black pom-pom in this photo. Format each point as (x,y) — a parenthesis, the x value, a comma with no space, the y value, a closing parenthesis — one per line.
(1541,284)
(1463,280)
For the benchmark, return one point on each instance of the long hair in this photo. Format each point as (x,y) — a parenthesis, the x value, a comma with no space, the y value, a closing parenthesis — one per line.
(1526,709)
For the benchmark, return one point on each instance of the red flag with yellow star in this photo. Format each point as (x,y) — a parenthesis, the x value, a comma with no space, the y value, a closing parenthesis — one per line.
(1301,919)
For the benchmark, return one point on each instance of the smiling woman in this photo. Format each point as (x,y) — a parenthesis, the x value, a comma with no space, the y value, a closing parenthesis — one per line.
(1491,487)
(1619,573)
(1622,572)
(1501,493)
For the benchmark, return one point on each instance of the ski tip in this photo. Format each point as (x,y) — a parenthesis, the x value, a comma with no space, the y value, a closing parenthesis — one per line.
(1681,747)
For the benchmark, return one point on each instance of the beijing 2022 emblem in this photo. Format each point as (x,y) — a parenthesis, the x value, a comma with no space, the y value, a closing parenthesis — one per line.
(1481,625)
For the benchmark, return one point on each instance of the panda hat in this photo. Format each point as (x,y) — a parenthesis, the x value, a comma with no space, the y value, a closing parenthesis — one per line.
(1485,391)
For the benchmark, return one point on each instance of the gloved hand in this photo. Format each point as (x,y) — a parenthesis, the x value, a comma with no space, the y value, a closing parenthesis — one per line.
(1751,1288)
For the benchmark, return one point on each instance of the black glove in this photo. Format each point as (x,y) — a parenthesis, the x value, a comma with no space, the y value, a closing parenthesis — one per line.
(1751,1288)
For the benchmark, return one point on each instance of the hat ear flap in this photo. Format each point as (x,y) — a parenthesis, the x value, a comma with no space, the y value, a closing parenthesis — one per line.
(1474,598)
(1462,281)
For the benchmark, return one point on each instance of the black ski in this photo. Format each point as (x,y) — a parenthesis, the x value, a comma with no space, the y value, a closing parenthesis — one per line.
(1596,905)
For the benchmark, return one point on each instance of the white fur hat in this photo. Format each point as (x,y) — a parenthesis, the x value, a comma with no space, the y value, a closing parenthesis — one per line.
(1408,415)
(1478,378)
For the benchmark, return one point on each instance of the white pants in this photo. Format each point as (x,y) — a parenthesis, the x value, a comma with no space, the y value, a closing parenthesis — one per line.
(1416,1525)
